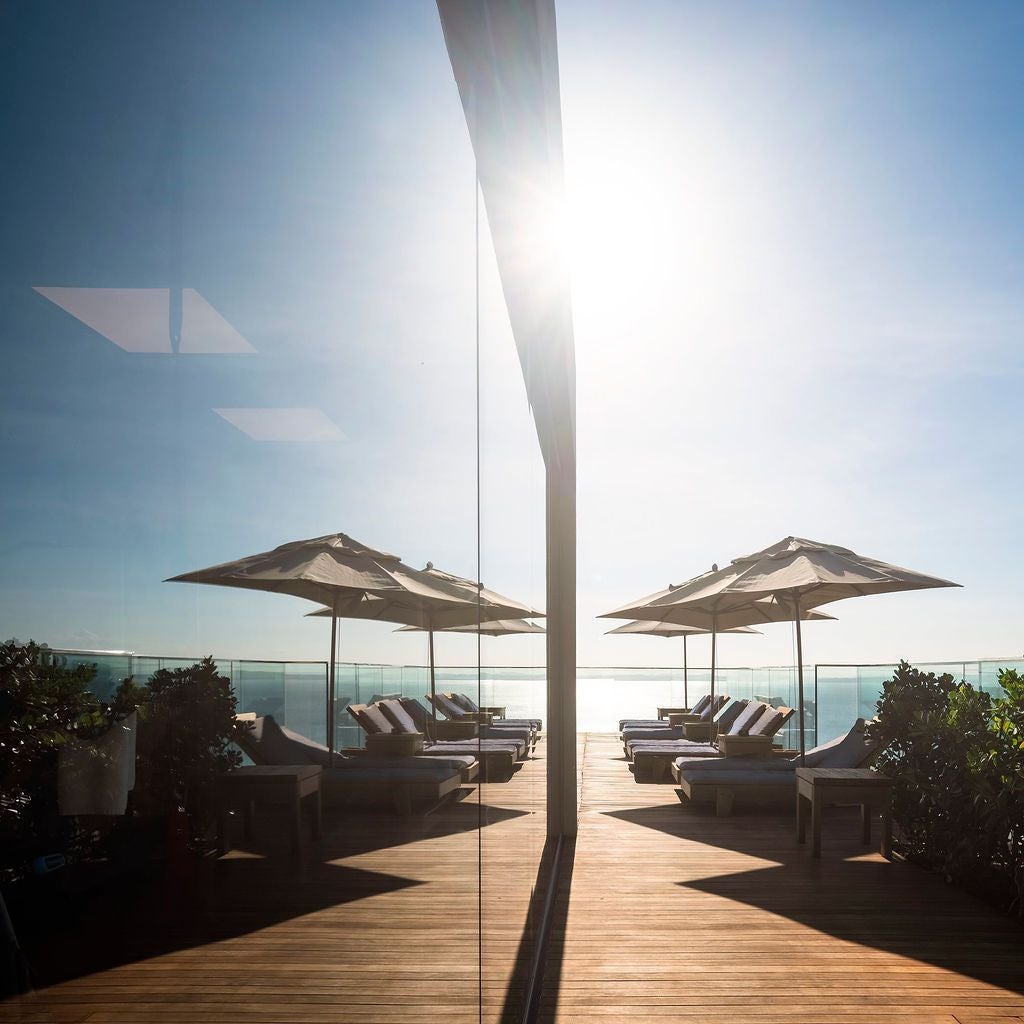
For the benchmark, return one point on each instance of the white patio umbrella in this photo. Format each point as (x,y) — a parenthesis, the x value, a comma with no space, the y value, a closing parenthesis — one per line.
(806,574)
(699,603)
(672,629)
(337,571)
(472,604)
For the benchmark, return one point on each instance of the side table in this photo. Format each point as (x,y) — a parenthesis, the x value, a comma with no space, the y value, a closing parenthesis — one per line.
(819,788)
(268,784)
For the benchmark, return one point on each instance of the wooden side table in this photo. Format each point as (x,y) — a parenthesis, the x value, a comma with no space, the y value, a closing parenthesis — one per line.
(819,788)
(269,784)
(665,712)
(678,718)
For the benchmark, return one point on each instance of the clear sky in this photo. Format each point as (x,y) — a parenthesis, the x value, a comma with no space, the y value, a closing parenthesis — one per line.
(796,235)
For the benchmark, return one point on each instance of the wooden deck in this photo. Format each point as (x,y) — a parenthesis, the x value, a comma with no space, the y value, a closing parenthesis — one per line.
(377,925)
(669,913)
(674,914)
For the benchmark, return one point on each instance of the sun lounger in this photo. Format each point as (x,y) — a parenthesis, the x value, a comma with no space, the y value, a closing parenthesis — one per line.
(726,780)
(466,702)
(654,723)
(738,722)
(392,720)
(758,722)
(488,730)
(664,731)
(691,732)
(493,752)
(406,782)
(375,723)
(499,758)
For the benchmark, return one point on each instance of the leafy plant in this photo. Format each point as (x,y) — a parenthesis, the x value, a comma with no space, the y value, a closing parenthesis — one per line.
(957,755)
(186,733)
(42,707)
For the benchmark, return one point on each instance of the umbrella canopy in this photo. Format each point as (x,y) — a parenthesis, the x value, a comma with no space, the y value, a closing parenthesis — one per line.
(329,570)
(342,573)
(500,627)
(469,605)
(807,573)
(814,574)
(674,629)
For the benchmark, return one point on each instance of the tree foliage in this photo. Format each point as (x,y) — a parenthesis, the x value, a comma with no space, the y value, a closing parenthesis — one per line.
(957,755)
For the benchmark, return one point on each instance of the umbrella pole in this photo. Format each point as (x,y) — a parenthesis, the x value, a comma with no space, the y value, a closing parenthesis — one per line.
(433,691)
(330,691)
(714,630)
(686,679)
(800,674)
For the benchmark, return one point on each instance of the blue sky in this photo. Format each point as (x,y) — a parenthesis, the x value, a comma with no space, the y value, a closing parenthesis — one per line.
(795,234)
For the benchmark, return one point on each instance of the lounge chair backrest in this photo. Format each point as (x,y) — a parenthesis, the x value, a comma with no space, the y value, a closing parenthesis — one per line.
(705,715)
(852,750)
(266,743)
(701,704)
(371,718)
(747,717)
(465,701)
(447,707)
(729,714)
(417,712)
(398,716)
(770,722)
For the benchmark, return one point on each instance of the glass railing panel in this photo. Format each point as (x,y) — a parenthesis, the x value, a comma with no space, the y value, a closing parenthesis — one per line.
(305,698)
(260,688)
(346,691)
(111,669)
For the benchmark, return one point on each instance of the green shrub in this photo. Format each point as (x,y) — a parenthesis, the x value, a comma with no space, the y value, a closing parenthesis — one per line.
(957,756)
(42,707)
(187,729)
(185,734)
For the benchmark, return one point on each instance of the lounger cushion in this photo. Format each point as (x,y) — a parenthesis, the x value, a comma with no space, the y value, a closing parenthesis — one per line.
(729,713)
(772,765)
(456,761)
(664,732)
(641,723)
(448,707)
(847,751)
(417,712)
(738,776)
(396,771)
(273,746)
(679,747)
(372,719)
(465,702)
(316,752)
(767,724)
(399,717)
(491,732)
(747,717)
